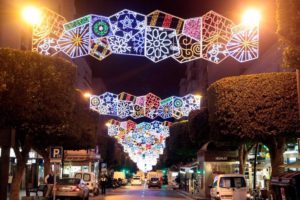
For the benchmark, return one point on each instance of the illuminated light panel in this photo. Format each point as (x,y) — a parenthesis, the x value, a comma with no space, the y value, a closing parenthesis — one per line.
(190,49)
(99,48)
(139,107)
(143,142)
(47,32)
(216,32)
(75,42)
(151,106)
(160,43)
(177,107)
(165,20)
(108,104)
(157,36)
(190,102)
(165,109)
(244,46)
(134,46)
(99,27)
(127,23)
(192,28)
(77,23)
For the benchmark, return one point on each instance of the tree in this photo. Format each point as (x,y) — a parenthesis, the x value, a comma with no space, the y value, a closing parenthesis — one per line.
(80,134)
(37,97)
(288,30)
(256,108)
(199,126)
(179,148)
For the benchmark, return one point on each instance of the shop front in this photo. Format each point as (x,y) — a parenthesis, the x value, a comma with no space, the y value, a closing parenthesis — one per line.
(80,160)
(213,161)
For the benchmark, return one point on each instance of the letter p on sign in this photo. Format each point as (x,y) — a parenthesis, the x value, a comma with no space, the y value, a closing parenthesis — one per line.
(56,154)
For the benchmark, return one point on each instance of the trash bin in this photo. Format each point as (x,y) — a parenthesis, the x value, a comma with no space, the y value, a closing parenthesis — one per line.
(286,186)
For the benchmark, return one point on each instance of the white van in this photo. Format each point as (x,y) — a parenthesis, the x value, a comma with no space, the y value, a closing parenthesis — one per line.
(229,187)
(91,181)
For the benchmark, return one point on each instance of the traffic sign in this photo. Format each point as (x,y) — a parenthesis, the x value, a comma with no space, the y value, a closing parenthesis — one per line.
(56,154)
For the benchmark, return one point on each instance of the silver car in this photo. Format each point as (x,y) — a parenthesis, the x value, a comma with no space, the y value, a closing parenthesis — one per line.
(74,188)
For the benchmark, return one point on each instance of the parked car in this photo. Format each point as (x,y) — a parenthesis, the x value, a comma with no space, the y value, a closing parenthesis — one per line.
(154,182)
(91,181)
(136,180)
(229,186)
(72,187)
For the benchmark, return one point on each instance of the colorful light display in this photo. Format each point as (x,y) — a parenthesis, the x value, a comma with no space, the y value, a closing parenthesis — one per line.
(151,106)
(156,36)
(143,142)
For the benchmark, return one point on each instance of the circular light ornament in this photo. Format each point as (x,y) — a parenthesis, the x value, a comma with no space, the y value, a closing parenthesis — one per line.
(100,28)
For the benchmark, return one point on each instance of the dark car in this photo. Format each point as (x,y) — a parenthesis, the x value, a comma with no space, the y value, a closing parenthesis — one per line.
(154,182)
(72,188)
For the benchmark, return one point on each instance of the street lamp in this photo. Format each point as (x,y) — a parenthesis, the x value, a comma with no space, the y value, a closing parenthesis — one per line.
(251,17)
(87,95)
(32,15)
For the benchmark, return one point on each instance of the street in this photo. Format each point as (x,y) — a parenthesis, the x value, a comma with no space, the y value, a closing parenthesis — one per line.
(141,192)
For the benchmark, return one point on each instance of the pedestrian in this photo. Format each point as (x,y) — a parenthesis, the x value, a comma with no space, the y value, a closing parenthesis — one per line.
(103,182)
(49,180)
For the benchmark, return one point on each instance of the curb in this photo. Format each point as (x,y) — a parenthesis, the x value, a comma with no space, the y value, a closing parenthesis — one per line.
(191,196)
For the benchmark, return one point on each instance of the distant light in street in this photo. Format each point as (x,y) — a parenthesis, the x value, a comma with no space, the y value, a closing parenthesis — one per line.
(32,15)
(87,95)
(251,17)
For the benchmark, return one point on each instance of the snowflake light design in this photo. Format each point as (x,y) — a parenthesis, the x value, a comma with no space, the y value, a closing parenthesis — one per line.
(75,42)
(243,46)
(125,109)
(127,23)
(108,104)
(190,102)
(119,45)
(161,43)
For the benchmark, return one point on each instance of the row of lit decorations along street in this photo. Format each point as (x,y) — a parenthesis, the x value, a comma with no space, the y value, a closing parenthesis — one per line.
(156,36)
(125,105)
(143,142)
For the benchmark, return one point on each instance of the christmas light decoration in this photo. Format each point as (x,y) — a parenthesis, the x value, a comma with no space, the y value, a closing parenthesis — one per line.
(243,46)
(157,36)
(143,142)
(46,33)
(216,32)
(151,106)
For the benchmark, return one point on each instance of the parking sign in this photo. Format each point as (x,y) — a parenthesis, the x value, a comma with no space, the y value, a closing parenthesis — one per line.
(56,154)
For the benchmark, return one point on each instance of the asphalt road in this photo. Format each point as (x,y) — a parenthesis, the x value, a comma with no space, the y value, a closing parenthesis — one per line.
(141,193)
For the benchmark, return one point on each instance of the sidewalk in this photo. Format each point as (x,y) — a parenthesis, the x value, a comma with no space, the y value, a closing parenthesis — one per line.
(191,195)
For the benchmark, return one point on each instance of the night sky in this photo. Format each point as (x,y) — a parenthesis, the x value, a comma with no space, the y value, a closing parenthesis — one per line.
(138,75)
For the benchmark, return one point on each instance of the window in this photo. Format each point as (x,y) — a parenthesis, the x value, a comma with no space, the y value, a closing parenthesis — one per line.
(232,182)
(86,177)
(78,175)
